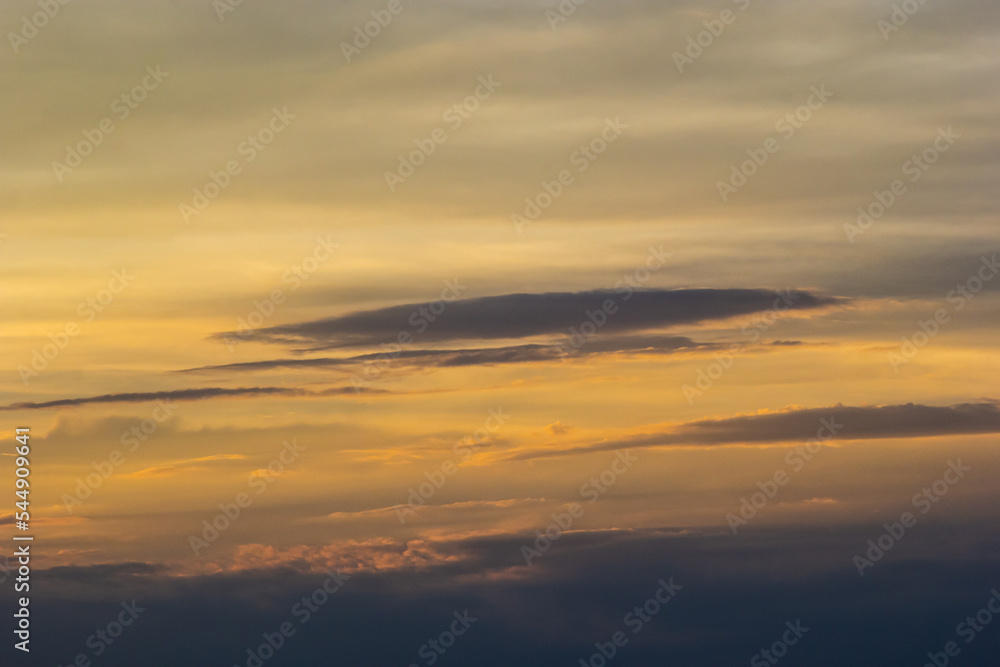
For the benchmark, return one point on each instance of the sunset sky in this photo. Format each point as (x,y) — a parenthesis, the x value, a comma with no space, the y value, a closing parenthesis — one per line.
(525,310)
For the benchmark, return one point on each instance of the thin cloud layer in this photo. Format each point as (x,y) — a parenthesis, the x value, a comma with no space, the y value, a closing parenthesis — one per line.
(799,425)
(510,354)
(186,395)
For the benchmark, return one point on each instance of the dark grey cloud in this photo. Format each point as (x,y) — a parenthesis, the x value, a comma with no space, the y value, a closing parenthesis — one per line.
(511,316)
(738,592)
(849,423)
(184,395)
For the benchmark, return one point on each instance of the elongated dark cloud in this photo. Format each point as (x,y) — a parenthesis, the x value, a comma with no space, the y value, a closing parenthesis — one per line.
(836,423)
(185,395)
(524,315)
(510,354)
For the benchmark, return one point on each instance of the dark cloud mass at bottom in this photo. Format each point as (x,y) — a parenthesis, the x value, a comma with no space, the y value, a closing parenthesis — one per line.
(738,593)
